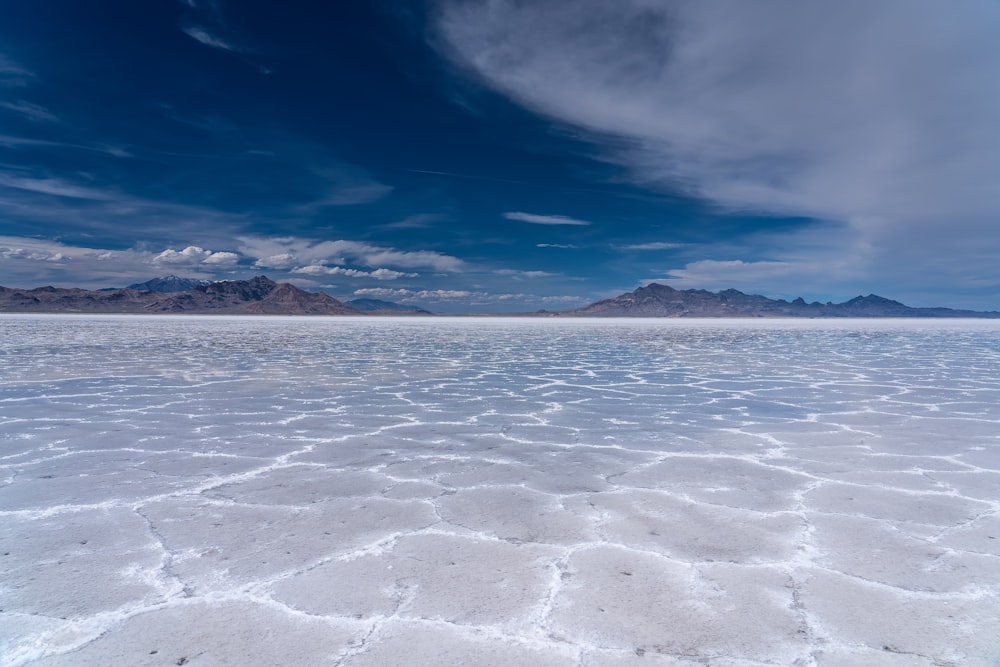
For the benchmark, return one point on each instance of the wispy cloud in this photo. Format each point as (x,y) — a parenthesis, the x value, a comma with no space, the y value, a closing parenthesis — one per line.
(716,274)
(13,75)
(513,273)
(203,36)
(29,262)
(377,274)
(206,23)
(535,219)
(32,111)
(54,186)
(564,246)
(417,221)
(342,184)
(289,252)
(410,259)
(468,297)
(349,194)
(656,245)
(33,253)
(89,207)
(880,116)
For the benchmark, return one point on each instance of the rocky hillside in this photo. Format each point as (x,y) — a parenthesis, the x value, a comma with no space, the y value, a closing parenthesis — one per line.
(656,300)
(288,299)
(259,295)
(170,283)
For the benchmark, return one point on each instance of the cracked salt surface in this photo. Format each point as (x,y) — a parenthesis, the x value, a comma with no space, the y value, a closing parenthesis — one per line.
(339,491)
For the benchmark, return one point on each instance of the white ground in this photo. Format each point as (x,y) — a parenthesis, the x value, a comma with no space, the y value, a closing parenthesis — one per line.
(279,491)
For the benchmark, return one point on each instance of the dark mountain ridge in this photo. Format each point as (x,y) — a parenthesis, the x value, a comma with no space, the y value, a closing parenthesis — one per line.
(656,300)
(168,283)
(263,296)
(259,295)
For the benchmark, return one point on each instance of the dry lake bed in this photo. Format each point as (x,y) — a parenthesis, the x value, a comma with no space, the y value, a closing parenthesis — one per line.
(442,491)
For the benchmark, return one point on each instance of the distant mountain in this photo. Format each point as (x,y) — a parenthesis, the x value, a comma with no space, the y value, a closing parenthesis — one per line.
(377,307)
(170,283)
(263,296)
(288,299)
(222,295)
(259,295)
(656,300)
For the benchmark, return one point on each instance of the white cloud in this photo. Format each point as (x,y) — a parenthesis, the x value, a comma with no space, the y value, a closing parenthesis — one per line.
(880,116)
(716,274)
(193,255)
(17,252)
(383,293)
(222,259)
(443,294)
(286,252)
(97,209)
(320,270)
(284,260)
(373,256)
(565,246)
(201,35)
(416,295)
(377,274)
(30,262)
(469,297)
(189,255)
(524,274)
(544,219)
(656,245)
(389,274)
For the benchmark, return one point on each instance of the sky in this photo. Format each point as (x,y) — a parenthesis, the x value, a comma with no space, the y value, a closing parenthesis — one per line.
(505,155)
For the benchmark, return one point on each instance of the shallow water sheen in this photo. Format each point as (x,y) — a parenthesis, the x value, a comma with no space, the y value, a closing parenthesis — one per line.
(366,491)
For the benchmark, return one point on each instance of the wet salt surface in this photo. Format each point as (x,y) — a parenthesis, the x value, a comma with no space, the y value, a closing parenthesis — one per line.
(295,491)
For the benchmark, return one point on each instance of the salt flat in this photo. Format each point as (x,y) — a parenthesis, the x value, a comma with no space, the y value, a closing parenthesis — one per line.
(364,491)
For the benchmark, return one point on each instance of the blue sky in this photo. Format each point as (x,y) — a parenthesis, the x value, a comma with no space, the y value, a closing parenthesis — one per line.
(502,155)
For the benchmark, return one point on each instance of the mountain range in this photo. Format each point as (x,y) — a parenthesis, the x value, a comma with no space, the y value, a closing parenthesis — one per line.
(170,283)
(257,296)
(656,300)
(263,296)
(380,307)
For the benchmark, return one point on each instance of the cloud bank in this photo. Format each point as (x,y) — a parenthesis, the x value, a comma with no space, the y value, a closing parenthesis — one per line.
(289,252)
(879,115)
(28,262)
(377,274)
(194,255)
